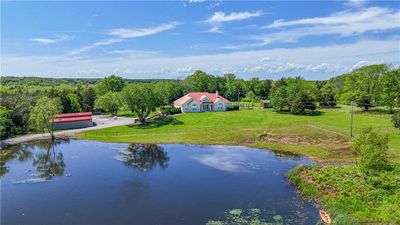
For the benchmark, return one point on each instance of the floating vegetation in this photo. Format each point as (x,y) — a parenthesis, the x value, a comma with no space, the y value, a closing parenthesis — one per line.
(252,216)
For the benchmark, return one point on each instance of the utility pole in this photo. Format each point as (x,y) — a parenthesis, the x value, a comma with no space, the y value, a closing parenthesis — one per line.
(351,120)
(238,95)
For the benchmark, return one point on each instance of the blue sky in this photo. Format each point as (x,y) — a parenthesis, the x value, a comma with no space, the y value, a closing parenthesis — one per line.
(171,39)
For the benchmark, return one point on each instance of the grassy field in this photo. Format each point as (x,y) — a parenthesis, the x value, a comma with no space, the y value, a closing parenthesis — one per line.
(322,136)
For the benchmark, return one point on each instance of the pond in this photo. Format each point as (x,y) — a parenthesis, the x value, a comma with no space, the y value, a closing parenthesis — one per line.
(87,182)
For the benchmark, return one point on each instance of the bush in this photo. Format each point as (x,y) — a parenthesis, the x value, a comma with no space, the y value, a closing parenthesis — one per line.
(396,120)
(372,148)
(233,107)
(302,102)
(169,110)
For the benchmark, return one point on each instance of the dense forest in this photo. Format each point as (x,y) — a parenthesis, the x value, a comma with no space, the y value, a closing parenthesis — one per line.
(366,87)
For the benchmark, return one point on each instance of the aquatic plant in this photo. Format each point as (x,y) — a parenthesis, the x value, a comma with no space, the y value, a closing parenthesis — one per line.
(252,216)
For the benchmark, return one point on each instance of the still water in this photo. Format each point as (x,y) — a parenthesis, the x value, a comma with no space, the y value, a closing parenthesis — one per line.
(94,183)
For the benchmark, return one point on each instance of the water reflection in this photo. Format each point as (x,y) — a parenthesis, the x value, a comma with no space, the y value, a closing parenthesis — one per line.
(144,157)
(226,160)
(50,162)
(46,159)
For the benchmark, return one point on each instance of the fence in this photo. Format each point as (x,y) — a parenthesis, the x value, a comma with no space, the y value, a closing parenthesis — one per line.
(243,105)
(376,114)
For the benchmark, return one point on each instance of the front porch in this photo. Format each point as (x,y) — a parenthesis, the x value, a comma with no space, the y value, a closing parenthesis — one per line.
(204,107)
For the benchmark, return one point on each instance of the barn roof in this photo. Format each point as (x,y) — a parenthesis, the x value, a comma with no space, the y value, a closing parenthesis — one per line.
(72,117)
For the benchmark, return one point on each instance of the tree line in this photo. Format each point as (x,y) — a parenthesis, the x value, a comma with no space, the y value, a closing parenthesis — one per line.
(22,98)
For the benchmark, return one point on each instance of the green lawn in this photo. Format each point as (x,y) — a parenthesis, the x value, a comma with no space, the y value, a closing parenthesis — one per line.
(323,136)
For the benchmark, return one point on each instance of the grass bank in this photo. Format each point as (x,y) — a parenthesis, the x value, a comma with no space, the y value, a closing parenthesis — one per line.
(349,196)
(322,135)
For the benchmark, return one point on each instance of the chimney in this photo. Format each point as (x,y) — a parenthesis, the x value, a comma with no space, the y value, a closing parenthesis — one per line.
(217,94)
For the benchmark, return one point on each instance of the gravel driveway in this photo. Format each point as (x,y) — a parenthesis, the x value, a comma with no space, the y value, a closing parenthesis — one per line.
(101,122)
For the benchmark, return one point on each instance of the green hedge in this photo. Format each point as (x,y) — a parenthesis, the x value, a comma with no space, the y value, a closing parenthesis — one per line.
(233,107)
(169,110)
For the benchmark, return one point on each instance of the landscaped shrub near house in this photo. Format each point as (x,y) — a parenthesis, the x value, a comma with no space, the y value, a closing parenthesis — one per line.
(233,107)
(396,120)
(169,110)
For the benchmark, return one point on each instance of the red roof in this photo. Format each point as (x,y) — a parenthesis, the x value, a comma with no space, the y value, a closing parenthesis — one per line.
(72,117)
(196,96)
(74,114)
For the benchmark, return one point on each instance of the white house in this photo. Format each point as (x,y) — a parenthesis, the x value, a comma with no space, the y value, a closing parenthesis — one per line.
(202,101)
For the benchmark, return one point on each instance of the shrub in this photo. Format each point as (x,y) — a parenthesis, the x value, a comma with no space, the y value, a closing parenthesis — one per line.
(233,107)
(169,110)
(301,102)
(396,120)
(372,148)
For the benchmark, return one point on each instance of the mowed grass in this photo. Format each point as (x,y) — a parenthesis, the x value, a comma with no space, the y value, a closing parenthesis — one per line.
(323,136)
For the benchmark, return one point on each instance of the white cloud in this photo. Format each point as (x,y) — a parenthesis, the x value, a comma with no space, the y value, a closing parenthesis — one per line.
(265,59)
(136,53)
(214,30)
(186,70)
(57,39)
(196,1)
(356,3)
(141,32)
(364,63)
(94,45)
(214,4)
(321,62)
(124,33)
(345,23)
(221,17)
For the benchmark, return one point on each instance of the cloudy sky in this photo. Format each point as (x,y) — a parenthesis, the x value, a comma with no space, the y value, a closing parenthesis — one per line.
(171,39)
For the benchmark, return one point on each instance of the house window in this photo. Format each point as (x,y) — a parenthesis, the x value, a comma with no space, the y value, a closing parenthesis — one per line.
(194,107)
(220,106)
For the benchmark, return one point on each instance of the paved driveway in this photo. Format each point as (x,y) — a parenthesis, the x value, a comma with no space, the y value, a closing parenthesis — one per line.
(101,122)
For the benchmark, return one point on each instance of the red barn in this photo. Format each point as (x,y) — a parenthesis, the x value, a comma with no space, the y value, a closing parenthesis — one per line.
(72,121)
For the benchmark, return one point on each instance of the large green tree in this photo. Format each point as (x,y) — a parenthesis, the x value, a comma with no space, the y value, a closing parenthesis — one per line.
(42,114)
(200,81)
(4,120)
(73,100)
(232,88)
(171,90)
(88,97)
(260,88)
(279,98)
(141,99)
(109,102)
(362,85)
(389,84)
(295,94)
(112,83)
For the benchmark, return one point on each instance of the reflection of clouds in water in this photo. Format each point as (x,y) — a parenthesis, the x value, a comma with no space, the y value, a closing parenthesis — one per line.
(118,148)
(32,180)
(227,161)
